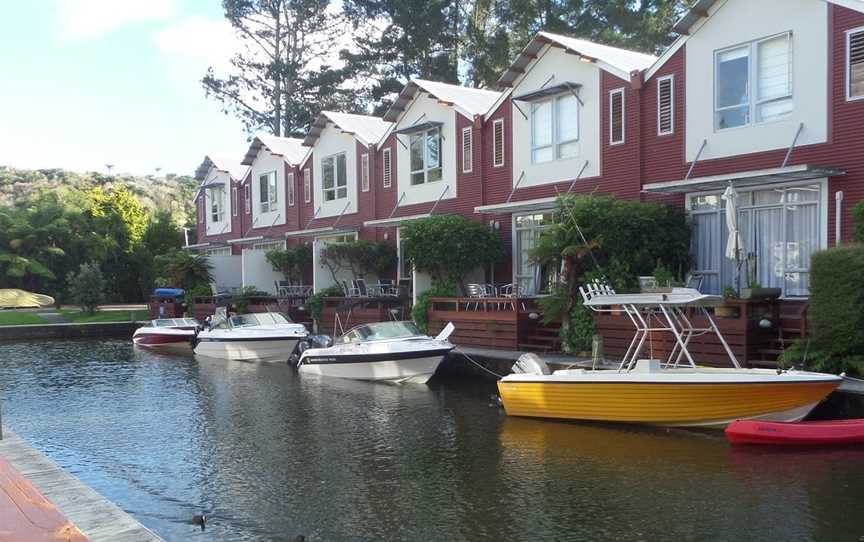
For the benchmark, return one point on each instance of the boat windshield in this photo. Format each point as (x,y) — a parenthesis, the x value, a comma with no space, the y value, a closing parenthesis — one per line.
(259,319)
(381,331)
(175,322)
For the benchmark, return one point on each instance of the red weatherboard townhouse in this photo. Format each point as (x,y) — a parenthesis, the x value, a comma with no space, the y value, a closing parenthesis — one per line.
(766,95)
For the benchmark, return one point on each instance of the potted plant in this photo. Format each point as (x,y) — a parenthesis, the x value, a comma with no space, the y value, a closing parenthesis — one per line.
(754,289)
(728,310)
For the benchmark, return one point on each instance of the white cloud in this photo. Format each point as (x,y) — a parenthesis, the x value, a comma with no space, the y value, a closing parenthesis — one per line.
(212,42)
(92,18)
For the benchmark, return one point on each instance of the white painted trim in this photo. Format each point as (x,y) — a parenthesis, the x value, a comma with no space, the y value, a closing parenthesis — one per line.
(395,221)
(365,174)
(235,201)
(725,177)
(848,75)
(290,196)
(495,163)
(664,58)
(307,185)
(623,116)
(387,166)
(470,131)
(526,206)
(671,79)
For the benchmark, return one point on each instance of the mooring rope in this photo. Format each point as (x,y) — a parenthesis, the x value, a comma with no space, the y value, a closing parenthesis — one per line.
(469,358)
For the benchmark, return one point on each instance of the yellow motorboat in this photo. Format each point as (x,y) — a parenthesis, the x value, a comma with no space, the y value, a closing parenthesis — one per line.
(671,392)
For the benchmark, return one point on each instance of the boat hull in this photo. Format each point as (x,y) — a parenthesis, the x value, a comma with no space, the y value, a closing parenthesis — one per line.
(820,433)
(415,369)
(164,340)
(668,404)
(268,350)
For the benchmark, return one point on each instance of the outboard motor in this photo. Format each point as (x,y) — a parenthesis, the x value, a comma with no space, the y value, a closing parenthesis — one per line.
(314,341)
(530,364)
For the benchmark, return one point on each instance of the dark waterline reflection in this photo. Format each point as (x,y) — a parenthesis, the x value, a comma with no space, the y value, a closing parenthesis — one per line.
(269,455)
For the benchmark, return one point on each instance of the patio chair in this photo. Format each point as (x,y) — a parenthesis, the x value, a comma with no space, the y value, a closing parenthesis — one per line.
(350,291)
(283,288)
(694,280)
(385,288)
(360,286)
(404,288)
(476,291)
(513,292)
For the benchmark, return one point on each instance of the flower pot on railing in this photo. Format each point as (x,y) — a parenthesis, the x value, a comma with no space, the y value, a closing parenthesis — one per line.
(727,311)
(760,293)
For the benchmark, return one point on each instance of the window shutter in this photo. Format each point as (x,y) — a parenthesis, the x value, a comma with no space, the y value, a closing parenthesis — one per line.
(388,168)
(307,185)
(665,114)
(364,172)
(616,116)
(467,150)
(234,203)
(291,188)
(498,143)
(856,64)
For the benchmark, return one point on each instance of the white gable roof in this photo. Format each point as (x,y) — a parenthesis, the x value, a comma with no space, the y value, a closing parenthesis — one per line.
(232,167)
(468,101)
(290,149)
(366,128)
(701,9)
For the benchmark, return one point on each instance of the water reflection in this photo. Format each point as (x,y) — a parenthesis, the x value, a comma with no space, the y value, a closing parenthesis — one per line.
(269,454)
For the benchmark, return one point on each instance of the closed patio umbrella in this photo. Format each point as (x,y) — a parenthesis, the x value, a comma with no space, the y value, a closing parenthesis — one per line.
(734,244)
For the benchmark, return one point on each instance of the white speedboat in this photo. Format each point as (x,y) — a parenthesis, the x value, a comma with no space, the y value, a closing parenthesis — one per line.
(388,351)
(265,336)
(167,334)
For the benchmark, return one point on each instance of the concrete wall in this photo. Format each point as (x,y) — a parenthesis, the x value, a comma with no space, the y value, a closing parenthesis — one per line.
(258,272)
(227,271)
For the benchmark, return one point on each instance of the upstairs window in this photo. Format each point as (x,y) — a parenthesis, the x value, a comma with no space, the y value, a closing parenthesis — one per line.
(616,116)
(291,189)
(467,150)
(217,204)
(855,69)
(665,106)
(364,172)
(247,199)
(268,194)
(425,150)
(554,129)
(202,209)
(307,185)
(234,203)
(768,63)
(388,167)
(498,143)
(334,179)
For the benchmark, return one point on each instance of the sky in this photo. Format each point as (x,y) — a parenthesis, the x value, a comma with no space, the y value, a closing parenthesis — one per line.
(85,83)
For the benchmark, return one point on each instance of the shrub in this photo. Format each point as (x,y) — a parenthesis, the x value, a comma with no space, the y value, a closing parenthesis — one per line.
(291,261)
(858,218)
(837,308)
(87,287)
(360,258)
(420,311)
(448,247)
(180,269)
(315,302)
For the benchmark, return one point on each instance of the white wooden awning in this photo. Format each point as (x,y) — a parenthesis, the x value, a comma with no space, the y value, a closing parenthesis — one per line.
(197,246)
(315,232)
(744,179)
(246,240)
(541,204)
(394,221)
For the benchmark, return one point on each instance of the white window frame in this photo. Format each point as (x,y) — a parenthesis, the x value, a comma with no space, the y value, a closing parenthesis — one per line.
(307,185)
(660,80)
(269,206)
(269,245)
(425,169)
(849,33)
(612,93)
(516,255)
(496,141)
(387,167)
(753,101)
(336,185)
(220,251)
(555,143)
(364,172)
(235,201)
(247,198)
(467,149)
(290,189)
(217,205)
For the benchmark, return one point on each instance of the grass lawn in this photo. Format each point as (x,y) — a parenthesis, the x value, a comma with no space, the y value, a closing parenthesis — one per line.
(19,318)
(105,316)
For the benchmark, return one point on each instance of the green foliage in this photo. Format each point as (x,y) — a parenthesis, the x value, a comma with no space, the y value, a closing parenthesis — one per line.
(181,269)
(14,318)
(420,311)
(119,206)
(858,217)
(663,275)
(602,238)
(360,258)
(837,308)
(448,247)
(291,261)
(315,302)
(242,301)
(729,292)
(87,287)
(106,316)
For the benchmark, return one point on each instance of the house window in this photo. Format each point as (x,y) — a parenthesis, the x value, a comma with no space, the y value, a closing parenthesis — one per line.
(531,277)
(364,172)
(234,203)
(425,150)
(334,178)
(616,116)
(307,185)
(269,245)
(665,106)
(202,209)
(217,204)
(498,143)
(768,62)
(780,230)
(855,61)
(247,199)
(467,150)
(291,189)
(268,194)
(554,129)
(388,167)
(221,251)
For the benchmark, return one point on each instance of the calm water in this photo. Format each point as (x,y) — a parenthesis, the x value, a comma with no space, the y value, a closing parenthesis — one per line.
(269,455)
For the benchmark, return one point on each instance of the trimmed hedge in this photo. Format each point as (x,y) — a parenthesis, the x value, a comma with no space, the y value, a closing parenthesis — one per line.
(858,219)
(837,307)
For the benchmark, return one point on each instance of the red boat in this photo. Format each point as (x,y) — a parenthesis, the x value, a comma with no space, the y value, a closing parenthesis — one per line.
(818,433)
(175,334)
